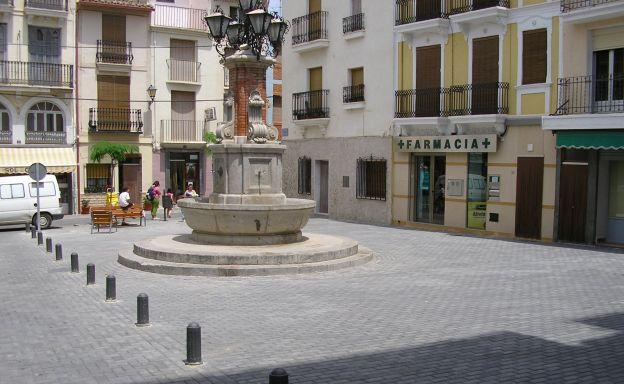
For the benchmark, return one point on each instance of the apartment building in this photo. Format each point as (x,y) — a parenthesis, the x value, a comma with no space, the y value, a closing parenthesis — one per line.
(473,79)
(338,112)
(36,91)
(189,77)
(588,123)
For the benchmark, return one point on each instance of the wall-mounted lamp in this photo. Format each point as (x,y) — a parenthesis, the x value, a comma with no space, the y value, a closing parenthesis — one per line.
(151,92)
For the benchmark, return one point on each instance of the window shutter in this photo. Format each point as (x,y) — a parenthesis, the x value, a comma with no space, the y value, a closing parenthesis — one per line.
(485,60)
(428,67)
(114,28)
(534,56)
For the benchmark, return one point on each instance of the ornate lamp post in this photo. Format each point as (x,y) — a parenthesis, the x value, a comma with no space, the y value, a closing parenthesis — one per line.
(247,48)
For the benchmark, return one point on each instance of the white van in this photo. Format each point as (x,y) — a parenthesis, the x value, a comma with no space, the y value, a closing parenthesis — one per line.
(18,200)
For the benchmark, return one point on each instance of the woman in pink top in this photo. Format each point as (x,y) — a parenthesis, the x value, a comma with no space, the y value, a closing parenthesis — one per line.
(155,194)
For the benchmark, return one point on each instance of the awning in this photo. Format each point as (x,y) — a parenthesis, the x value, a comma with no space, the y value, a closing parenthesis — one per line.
(17,160)
(599,139)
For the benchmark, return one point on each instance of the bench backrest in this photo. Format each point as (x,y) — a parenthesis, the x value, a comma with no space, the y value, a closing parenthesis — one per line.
(101,216)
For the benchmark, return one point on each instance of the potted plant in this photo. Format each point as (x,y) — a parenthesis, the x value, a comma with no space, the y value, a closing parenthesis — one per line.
(84,206)
(147,205)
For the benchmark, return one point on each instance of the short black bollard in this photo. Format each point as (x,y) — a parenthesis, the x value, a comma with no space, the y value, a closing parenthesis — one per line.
(39,238)
(111,288)
(142,310)
(193,344)
(74,263)
(90,274)
(33,233)
(278,376)
(49,244)
(58,252)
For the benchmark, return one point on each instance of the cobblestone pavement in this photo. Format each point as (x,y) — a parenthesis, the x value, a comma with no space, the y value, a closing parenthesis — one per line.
(432,308)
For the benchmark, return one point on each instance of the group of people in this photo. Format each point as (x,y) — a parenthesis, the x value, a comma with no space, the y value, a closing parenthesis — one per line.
(154,196)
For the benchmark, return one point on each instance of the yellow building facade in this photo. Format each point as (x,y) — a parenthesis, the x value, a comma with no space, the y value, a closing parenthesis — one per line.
(473,80)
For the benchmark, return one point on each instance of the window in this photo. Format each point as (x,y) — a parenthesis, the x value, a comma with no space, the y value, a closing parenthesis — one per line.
(371,179)
(477,190)
(4,119)
(44,44)
(98,177)
(534,56)
(3,42)
(305,176)
(44,117)
(11,191)
(356,7)
(609,74)
(45,189)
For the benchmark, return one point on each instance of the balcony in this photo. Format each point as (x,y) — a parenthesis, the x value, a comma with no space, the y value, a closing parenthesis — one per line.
(43,137)
(6,5)
(586,94)
(182,132)
(183,71)
(310,105)
(36,74)
(353,96)
(412,11)
(310,32)
(586,11)
(462,6)
(6,137)
(55,5)
(353,25)
(113,52)
(115,120)
(571,5)
(166,16)
(457,100)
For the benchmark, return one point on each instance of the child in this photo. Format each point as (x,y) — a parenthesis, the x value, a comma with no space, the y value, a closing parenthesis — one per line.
(167,202)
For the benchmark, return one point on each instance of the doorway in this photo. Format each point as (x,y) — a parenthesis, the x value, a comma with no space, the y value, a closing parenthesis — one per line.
(615,220)
(131,176)
(529,192)
(184,169)
(322,186)
(573,201)
(427,188)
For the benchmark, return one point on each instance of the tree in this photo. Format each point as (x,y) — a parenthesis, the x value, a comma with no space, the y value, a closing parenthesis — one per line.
(116,151)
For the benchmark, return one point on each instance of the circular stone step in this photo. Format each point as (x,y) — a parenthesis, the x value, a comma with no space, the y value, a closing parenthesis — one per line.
(183,249)
(131,260)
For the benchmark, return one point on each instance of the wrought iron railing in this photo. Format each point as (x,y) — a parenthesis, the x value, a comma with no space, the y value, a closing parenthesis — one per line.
(45,137)
(586,94)
(179,17)
(353,94)
(411,11)
(310,105)
(182,70)
(58,5)
(570,5)
(353,23)
(457,100)
(6,2)
(44,74)
(114,52)
(454,7)
(115,120)
(6,137)
(182,131)
(309,27)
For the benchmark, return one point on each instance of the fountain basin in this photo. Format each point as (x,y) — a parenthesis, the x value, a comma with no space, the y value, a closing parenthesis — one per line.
(246,224)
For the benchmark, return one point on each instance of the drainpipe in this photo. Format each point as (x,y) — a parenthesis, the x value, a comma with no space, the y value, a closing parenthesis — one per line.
(77,104)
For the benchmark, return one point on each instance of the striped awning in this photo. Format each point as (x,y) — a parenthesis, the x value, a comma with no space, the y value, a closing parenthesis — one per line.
(56,160)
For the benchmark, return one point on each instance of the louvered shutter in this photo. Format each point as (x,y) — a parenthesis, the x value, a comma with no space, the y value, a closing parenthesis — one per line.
(485,60)
(534,56)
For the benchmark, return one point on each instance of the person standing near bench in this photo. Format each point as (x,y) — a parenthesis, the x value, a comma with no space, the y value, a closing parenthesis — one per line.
(124,202)
(153,195)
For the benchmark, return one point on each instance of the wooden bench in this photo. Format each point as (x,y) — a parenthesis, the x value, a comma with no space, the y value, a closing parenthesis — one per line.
(101,218)
(134,212)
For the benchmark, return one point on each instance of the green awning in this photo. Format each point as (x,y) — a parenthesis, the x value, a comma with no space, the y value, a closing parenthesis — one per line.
(598,139)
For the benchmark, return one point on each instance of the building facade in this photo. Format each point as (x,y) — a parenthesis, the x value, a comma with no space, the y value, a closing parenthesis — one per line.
(338,110)
(37,89)
(588,124)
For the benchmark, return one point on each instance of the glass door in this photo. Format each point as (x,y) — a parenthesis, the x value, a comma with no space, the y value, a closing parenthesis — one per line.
(428,180)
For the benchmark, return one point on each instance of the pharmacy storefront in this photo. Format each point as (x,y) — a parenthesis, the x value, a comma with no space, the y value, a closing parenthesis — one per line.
(469,182)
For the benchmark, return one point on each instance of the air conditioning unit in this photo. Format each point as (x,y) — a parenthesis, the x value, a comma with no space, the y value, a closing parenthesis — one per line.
(210,114)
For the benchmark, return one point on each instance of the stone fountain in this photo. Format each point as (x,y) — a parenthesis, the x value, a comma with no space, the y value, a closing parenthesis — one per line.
(247,226)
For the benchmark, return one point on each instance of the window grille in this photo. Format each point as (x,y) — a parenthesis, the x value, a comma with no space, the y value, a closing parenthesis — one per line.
(98,177)
(371,179)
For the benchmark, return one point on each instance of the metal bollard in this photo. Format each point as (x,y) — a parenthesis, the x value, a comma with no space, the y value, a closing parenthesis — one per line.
(74,263)
(39,238)
(193,344)
(33,233)
(142,311)
(49,244)
(27,226)
(58,252)
(278,376)
(90,274)
(111,288)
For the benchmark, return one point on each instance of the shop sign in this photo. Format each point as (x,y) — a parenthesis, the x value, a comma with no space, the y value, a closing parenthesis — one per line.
(456,143)
(14,170)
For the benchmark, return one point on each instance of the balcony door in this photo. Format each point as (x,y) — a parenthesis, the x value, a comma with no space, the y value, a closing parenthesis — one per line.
(114,39)
(609,83)
(183,117)
(428,81)
(44,50)
(314,107)
(113,94)
(484,87)
(183,62)
(315,21)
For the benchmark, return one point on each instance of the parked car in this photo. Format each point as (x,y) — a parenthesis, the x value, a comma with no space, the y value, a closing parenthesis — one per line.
(18,200)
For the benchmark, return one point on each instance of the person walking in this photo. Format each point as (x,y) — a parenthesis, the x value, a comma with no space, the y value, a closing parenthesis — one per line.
(167,202)
(153,195)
